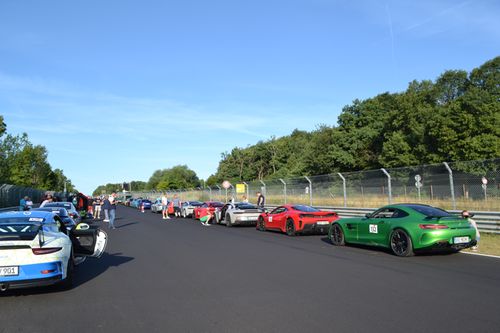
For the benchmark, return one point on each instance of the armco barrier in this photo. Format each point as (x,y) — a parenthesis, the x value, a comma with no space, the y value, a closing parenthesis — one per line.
(486,221)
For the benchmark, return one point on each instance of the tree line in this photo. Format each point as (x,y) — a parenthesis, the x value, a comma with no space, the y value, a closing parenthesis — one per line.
(456,117)
(453,118)
(24,164)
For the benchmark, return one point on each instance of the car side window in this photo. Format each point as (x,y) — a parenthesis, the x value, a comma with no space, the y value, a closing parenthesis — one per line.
(398,213)
(384,213)
(277,210)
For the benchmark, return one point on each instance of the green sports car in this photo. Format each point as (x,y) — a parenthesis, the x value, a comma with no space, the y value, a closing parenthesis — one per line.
(404,228)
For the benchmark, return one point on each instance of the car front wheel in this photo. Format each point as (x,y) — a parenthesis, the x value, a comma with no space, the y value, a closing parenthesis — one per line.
(401,244)
(260,223)
(337,235)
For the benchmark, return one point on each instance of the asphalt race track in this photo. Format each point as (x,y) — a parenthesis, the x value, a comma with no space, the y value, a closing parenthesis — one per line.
(179,276)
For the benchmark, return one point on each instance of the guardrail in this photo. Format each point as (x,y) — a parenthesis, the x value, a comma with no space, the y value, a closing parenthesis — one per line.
(486,221)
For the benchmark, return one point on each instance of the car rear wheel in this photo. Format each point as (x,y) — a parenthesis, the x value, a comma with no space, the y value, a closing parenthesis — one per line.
(290,228)
(184,215)
(261,224)
(228,221)
(401,244)
(337,237)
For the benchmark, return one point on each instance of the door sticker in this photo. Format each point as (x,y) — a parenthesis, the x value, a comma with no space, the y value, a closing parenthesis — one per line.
(270,219)
(373,229)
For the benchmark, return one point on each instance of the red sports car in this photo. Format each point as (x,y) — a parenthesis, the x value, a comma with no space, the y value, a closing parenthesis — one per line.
(295,219)
(202,210)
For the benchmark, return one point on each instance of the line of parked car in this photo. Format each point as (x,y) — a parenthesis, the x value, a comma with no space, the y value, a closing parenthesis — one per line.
(401,228)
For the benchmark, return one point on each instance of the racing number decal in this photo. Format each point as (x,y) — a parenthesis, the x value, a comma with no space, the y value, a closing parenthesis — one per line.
(373,229)
(270,219)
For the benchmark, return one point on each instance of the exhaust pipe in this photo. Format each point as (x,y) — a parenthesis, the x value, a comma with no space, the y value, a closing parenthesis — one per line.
(4,287)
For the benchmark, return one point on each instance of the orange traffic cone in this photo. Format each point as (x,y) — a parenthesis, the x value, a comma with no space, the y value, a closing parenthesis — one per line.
(142,208)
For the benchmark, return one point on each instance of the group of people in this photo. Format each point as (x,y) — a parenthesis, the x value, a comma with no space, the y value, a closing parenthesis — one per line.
(106,204)
(25,203)
(174,205)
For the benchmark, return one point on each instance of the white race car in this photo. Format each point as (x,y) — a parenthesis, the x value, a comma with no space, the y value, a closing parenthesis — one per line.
(238,213)
(36,249)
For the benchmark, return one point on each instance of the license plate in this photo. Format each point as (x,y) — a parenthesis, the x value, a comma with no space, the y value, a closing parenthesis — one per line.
(244,218)
(9,271)
(460,240)
(322,222)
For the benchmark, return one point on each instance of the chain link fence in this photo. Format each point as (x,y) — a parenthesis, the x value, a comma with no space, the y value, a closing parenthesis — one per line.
(473,185)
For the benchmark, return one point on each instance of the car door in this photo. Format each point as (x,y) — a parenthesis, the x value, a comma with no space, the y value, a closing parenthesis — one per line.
(89,242)
(373,229)
(275,218)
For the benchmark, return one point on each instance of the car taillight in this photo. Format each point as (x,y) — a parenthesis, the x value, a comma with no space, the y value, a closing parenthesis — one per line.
(46,250)
(433,226)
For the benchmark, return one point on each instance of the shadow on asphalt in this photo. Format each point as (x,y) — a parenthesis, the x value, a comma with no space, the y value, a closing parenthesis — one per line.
(85,272)
(125,225)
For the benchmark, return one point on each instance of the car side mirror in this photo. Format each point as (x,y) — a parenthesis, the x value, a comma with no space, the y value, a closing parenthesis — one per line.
(367,215)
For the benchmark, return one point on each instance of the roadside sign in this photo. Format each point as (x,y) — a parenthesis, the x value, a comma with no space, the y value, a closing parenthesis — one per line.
(226,184)
(418,178)
(240,188)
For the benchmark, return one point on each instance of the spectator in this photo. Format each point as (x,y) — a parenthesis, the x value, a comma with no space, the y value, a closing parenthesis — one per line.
(97,208)
(164,206)
(48,198)
(244,199)
(177,205)
(106,206)
(22,204)
(112,210)
(29,203)
(205,220)
(261,200)
(468,216)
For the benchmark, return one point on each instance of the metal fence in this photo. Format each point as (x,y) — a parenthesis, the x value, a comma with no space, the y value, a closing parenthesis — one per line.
(10,195)
(473,185)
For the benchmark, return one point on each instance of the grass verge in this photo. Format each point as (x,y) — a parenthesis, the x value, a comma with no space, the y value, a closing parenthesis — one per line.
(488,244)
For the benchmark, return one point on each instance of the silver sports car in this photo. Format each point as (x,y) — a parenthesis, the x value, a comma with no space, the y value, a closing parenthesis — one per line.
(238,213)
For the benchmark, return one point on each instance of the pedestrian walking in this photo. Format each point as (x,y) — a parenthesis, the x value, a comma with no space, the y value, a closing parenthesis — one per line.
(177,205)
(106,206)
(466,215)
(164,206)
(261,200)
(112,210)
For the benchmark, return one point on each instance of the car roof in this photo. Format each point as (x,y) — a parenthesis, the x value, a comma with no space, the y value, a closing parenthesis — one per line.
(40,214)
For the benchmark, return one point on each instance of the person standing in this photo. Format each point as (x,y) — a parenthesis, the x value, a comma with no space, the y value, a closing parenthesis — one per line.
(97,208)
(261,200)
(164,206)
(177,205)
(468,216)
(112,210)
(106,206)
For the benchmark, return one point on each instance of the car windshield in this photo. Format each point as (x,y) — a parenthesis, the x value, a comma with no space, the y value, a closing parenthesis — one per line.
(216,204)
(430,211)
(303,208)
(59,204)
(56,210)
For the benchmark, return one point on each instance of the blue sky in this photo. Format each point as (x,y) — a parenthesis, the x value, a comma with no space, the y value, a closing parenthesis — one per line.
(152,84)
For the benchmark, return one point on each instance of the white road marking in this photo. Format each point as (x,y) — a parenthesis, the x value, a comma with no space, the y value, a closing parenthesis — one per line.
(481,254)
